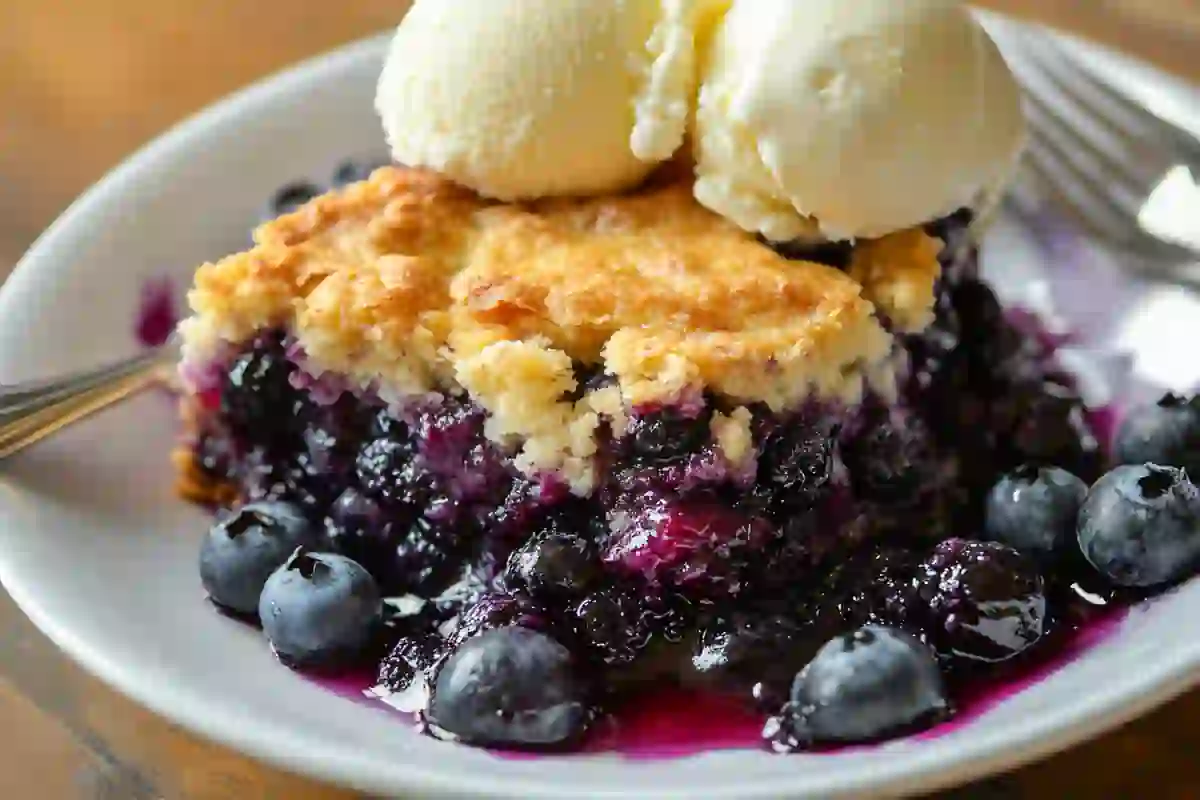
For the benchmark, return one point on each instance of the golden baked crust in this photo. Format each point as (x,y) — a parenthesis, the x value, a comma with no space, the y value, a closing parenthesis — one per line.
(898,273)
(408,283)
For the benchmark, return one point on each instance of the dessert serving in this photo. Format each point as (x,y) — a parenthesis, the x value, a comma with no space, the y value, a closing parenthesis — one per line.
(660,358)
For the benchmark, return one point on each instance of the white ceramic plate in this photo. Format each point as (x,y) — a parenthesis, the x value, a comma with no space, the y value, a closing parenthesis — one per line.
(98,552)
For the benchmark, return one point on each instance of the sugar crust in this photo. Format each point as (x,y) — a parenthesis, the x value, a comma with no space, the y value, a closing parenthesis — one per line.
(407,283)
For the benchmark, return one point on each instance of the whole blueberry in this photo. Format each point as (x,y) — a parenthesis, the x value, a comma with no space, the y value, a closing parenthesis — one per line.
(1166,432)
(241,551)
(1140,526)
(1034,510)
(510,687)
(319,610)
(986,602)
(864,686)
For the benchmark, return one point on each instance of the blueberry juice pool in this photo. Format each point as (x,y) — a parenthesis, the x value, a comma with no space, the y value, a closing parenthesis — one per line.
(944,542)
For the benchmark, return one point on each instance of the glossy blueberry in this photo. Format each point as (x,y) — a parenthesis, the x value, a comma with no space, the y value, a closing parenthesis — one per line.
(878,586)
(864,686)
(258,390)
(241,551)
(387,469)
(411,658)
(320,610)
(794,467)
(561,558)
(510,687)
(754,656)
(986,602)
(666,433)
(1166,433)
(618,622)
(406,553)
(559,562)
(427,559)
(497,609)
(1034,510)
(1140,526)
(292,196)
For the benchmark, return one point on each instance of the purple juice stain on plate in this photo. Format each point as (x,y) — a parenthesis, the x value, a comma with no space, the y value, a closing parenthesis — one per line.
(673,723)
(157,313)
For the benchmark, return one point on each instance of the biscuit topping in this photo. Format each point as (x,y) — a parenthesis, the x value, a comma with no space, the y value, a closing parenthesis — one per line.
(407,284)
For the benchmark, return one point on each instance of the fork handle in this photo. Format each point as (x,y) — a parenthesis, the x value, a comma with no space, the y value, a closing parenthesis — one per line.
(30,412)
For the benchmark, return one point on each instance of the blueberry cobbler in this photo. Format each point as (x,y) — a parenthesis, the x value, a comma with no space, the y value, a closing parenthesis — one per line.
(527,453)
(707,461)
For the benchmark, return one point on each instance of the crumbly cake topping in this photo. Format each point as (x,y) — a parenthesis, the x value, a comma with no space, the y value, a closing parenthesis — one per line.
(898,274)
(409,283)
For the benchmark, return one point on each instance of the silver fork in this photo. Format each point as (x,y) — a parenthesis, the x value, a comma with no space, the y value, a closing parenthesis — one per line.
(31,411)
(1100,155)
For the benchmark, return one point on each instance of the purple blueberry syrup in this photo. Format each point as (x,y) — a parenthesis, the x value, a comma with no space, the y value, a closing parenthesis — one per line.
(157,313)
(683,604)
(674,722)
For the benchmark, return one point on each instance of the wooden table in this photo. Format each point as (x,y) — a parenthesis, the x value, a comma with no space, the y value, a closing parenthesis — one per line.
(84,81)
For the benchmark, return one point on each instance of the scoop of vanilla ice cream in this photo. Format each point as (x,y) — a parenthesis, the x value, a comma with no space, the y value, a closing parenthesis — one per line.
(529,98)
(851,118)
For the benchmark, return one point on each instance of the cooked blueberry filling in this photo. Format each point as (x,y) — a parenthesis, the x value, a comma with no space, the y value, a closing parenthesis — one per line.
(985,601)
(847,582)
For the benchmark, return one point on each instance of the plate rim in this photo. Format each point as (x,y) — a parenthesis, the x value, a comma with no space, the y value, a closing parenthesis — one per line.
(983,755)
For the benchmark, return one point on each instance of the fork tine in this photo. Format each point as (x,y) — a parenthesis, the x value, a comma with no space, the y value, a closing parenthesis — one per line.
(1063,180)
(1086,165)
(1075,165)
(1122,154)
(1153,258)
(1094,150)
(1110,104)
(1090,204)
